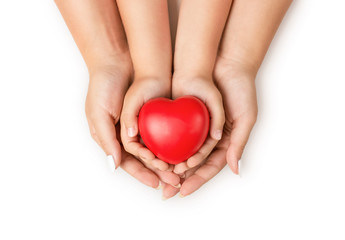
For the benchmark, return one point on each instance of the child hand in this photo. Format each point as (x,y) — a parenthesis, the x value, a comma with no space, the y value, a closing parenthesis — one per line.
(237,86)
(206,91)
(140,92)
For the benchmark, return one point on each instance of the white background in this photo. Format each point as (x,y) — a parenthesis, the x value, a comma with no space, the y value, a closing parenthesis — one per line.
(54,180)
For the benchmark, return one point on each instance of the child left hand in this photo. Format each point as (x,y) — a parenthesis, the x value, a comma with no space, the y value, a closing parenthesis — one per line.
(140,92)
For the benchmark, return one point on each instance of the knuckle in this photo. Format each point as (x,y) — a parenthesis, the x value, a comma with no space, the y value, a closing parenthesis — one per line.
(106,144)
(252,118)
(216,96)
(127,147)
(239,148)
(93,135)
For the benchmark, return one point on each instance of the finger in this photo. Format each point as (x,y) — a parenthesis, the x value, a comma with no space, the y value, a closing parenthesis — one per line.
(130,111)
(238,138)
(93,132)
(181,168)
(104,130)
(168,177)
(214,164)
(214,104)
(202,154)
(133,147)
(169,191)
(159,164)
(129,133)
(136,169)
(197,158)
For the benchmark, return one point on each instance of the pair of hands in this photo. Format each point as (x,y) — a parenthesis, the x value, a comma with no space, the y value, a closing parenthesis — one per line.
(111,95)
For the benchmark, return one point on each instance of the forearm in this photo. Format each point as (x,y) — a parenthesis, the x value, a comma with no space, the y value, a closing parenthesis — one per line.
(250,30)
(96,28)
(200,26)
(147,28)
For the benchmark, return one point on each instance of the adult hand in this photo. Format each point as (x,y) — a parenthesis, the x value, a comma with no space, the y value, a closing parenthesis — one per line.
(107,87)
(237,85)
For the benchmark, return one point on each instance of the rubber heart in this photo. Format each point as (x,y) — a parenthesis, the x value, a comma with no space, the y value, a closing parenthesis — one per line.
(174,130)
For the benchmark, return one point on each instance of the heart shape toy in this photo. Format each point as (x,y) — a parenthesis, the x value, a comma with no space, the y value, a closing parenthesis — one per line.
(174,129)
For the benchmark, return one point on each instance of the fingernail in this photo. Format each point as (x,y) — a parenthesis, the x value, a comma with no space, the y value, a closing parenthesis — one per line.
(164,198)
(111,162)
(131,132)
(218,134)
(181,195)
(159,186)
(177,186)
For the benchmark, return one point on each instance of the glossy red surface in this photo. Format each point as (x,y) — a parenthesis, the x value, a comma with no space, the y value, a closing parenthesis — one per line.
(174,130)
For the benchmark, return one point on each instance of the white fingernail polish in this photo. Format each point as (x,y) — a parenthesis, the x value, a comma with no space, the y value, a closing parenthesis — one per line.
(131,132)
(177,186)
(159,186)
(218,134)
(111,162)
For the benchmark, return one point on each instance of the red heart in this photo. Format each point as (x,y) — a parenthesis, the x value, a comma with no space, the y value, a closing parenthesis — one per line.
(174,130)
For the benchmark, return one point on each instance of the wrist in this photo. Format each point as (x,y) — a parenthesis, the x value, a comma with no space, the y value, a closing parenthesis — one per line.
(227,69)
(238,63)
(164,78)
(110,62)
(189,77)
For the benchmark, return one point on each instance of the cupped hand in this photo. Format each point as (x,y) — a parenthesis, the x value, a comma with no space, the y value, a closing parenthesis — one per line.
(206,91)
(107,87)
(148,175)
(237,86)
(141,90)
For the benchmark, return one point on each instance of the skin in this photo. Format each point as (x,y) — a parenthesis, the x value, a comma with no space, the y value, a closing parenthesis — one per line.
(195,55)
(242,50)
(238,60)
(98,32)
(147,27)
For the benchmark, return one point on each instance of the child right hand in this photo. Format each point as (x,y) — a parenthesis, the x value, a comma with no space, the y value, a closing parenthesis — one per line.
(142,90)
(205,89)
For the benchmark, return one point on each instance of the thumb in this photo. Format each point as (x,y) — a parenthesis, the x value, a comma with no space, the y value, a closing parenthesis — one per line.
(129,115)
(215,106)
(238,139)
(104,126)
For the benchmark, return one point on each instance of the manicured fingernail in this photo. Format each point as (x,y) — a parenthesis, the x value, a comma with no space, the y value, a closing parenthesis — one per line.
(181,195)
(164,198)
(177,186)
(159,186)
(218,134)
(131,132)
(111,162)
